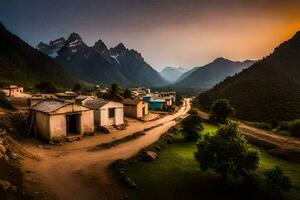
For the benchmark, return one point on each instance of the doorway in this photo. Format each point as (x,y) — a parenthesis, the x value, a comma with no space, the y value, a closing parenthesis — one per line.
(73,124)
(144,111)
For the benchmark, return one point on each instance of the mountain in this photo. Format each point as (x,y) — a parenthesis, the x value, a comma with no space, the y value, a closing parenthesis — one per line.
(268,90)
(22,64)
(186,74)
(100,65)
(172,73)
(207,76)
(53,47)
(135,67)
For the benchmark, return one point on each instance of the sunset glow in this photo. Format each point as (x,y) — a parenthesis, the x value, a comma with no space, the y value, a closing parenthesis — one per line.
(167,33)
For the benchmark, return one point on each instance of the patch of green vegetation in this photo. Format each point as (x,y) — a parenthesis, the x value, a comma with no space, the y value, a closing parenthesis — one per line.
(175,174)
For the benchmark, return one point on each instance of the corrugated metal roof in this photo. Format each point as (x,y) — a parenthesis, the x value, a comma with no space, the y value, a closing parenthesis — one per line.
(49,105)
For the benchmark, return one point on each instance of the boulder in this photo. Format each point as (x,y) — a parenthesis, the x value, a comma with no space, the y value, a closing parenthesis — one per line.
(5,184)
(151,155)
(2,149)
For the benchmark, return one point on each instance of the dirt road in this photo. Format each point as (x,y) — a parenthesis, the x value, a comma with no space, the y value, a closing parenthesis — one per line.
(71,172)
(285,143)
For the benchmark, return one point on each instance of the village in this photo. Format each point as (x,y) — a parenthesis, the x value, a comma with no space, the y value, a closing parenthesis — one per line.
(67,116)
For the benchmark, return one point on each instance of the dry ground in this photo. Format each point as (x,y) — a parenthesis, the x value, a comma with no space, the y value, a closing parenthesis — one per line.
(71,171)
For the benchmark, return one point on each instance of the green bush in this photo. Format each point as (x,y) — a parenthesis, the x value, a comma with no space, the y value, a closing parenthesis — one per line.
(294,128)
(263,125)
(276,182)
(191,127)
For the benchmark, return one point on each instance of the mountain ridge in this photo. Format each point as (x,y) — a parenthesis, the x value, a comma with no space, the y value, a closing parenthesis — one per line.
(99,65)
(207,76)
(268,90)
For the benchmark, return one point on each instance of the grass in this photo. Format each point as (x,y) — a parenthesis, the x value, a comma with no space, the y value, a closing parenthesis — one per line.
(176,175)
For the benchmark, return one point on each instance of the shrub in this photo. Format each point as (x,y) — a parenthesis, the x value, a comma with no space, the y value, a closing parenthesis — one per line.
(276,182)
(191,127)
(227,153)
(263,125)
(294,128)
(220,110)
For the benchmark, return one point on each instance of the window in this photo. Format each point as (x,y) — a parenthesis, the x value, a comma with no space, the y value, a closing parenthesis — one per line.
(111,112)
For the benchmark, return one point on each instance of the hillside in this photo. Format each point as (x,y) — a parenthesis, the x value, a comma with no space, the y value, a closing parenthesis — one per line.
(268,90)
(172,73)
(22,64)
(186,74)
(100,65)
(207,76)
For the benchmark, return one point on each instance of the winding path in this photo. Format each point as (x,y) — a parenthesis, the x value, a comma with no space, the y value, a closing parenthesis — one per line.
(282,142)
(70,171)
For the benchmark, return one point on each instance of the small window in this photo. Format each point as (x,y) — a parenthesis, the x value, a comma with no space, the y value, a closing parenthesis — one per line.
(111,112)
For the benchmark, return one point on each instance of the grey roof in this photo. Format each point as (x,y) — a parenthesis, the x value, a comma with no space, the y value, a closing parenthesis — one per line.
(49,105)
(95,104)
(82,97)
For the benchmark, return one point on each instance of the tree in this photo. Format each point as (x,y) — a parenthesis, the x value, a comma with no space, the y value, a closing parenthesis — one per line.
(46,87)
(191,126)
(276,182)
(115,92)
(220,110)
(227,153)
(76,88)
(127,94)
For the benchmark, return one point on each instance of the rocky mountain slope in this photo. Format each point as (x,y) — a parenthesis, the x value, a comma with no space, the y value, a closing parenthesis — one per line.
(100,65)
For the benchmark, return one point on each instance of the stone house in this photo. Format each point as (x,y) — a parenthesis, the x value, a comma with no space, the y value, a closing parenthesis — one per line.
(135,108)
(15,91)
(106,113)
(55,120)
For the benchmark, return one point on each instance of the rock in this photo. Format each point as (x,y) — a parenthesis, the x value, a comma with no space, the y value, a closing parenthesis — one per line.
(5,184)
(14,188)
(6,157)
(151,155)
(14,156)
(2,149)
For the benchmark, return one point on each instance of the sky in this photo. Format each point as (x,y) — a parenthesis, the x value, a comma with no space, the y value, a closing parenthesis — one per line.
(184,33)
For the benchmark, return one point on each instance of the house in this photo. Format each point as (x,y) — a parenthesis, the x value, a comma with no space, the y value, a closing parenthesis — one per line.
(82,99)
(15,91)
(135,108)
(106,113)
(55,120)
(154,104)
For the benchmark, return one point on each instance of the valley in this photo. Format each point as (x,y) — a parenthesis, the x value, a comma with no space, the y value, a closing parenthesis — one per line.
(138,100)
